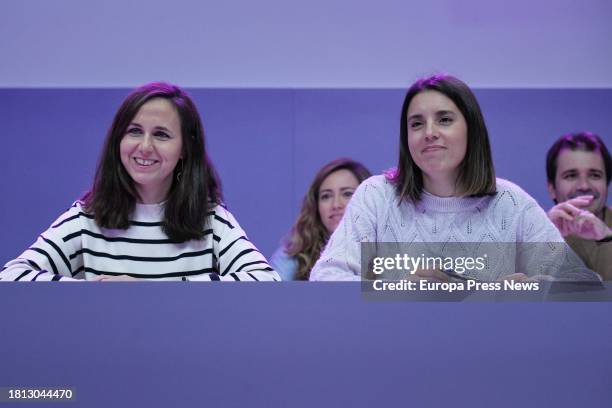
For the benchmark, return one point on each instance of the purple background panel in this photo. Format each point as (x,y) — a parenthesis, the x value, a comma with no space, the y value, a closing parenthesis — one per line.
(362,124)
(299,344)
(523,124)
(249,135)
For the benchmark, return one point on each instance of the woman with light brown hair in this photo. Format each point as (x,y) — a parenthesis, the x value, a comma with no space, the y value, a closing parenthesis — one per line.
(322,209)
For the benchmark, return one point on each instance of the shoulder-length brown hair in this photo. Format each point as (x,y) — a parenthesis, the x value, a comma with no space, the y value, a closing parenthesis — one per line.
(308,235)
(113,195)
(476,171)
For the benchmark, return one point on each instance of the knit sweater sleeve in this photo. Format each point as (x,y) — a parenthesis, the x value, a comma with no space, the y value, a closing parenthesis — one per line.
(341,259)
(54,256)
(543,253)
(236,257)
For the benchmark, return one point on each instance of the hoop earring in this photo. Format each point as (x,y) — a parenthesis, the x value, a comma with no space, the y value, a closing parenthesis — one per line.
(180,172)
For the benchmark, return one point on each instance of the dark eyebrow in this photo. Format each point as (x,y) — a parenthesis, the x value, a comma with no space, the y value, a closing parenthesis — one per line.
(598,171)
(165,129)
(329,190)
(438,113)
(569,171)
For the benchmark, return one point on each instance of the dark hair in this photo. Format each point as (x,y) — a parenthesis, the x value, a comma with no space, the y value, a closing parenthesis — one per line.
(586,141)
(476,171)
(308,236)
(113,196)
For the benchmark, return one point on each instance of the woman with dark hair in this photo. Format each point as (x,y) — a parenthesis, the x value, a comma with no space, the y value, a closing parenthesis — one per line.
(444,192)
(154,211)
(322,210)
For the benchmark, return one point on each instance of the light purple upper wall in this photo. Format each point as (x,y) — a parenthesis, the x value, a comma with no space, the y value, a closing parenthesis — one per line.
(304,44)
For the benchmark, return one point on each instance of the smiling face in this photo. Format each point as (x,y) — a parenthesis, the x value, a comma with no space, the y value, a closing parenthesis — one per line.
(151,148)
(580,172)
(437,138)
(334,194)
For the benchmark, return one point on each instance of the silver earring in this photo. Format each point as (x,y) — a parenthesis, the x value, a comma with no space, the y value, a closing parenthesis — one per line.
(180,172)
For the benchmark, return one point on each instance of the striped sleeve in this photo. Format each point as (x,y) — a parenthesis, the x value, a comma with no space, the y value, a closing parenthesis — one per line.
(48,259)
(237,258)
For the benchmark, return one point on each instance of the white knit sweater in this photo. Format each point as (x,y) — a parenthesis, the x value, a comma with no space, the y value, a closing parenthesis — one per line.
(504,223)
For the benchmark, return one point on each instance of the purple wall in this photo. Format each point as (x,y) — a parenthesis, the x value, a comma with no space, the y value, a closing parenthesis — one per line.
(312,44)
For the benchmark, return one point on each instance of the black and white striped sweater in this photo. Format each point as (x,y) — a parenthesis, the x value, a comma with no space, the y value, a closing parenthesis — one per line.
(75,247)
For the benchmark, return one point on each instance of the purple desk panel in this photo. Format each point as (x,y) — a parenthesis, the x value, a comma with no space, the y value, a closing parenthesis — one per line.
(299,345)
